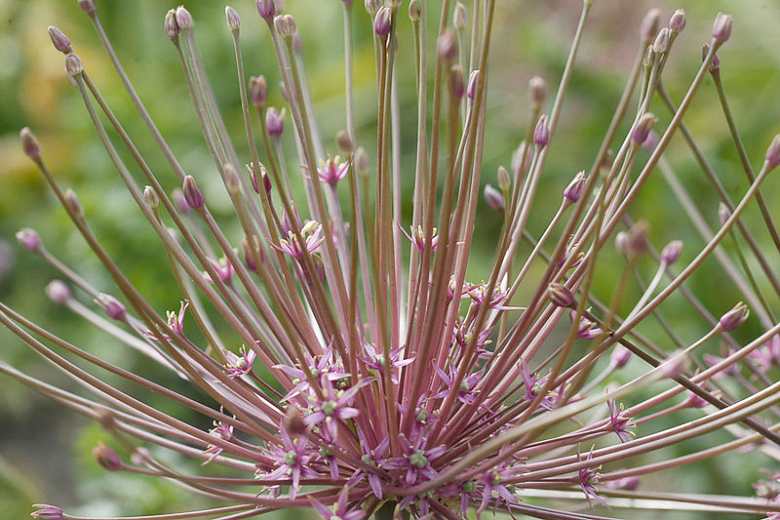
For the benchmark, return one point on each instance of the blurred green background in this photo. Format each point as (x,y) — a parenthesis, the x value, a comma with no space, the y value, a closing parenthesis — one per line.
(45,451)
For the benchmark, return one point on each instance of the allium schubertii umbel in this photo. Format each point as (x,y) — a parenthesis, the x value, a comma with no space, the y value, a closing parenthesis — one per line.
(401,389)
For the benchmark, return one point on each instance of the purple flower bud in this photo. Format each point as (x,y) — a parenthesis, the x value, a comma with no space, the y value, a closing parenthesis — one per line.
(29,239)
(642,128)
(651,141)
(457,88)
(266,179)
(73,65)
(494,198)
(184,19)
(60,41)
(30,144)
(573,191)
(192,193)
(232,18)
(285,25)
(447,46)
(171,26)
(620,356)
(471,91)
(671,252)
(503,179)
(88,6)
(773,153)
(414,10)
(734,318)
(180,201)
(45,511)
(73,204)
(724,213)
(542,132)
(252,250)
(649,27)
(695,401)
(383,22)
(662,41)
(537,91)
(112,306)
(274,120)
(266,8)
(107,457)
(637,239)
(721,29)
(459,16)
(560,295)
(150,197)
(677,22)
(627,483)
(293,421)
(258,90)
(373,6)
(344,143)
(715,63)
(58,292)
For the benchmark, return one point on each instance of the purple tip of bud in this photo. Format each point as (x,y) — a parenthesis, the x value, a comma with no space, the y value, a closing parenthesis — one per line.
(471,91)
(542,132)
(695,401)
(459,16)
(258,90)
(58,292)
(715,63)
(677,22)
(29,239)
(73,65)
(620,356)
(734,318)
(494,198)
(266,8)
(251,251)
(383,22)
(671,252)
(373,6)
(107,457)
(457,88)
(637,239)
(46,511)
(274,120)
(662,41)
(651,141)
(60,41)
(180,201)
(171,26)
(642,128)
(721,29)
(628,483)
(30,144)
(285,25)
(724,213)
(773,153)
(88,6)
(113,307)
(537,91)
(447,46)
(184,19)
(560,296)
(573,191)
(232,19)
(192,193)
(649,27)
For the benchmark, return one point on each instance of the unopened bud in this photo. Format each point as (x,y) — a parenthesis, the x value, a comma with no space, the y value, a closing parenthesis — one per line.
(560,296)
(651,141)
(494,198)
(642,128)
(46,511)
(29,239)
(181,203)
(252,252)
(734,318)
(637,239)
(503,179)
(362,162)
(621,242)
(383,22)
(184,19)
(73,204)
(266,8)
(285,25)
(542,132)
(293,421)
(773,153)
(724,213)
(457,88)
(447,46)
(192,193)
(171,26)
(620,356)
(573,191)
(60,41)
(274,120)
(649,27)
(258,91)
(414,10)
(671,252)
(695,401)
(231,179)
(628,483)
(232,19)
(73,65)
(721,29)
(373,6)
(344,143)
(150,197)
(30,144)
(113,307)
(471,90)
(537,91)
(677,22)
(88,6)
(58,291)
(107,457)
(715,63)
(662,41)
(459,16)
